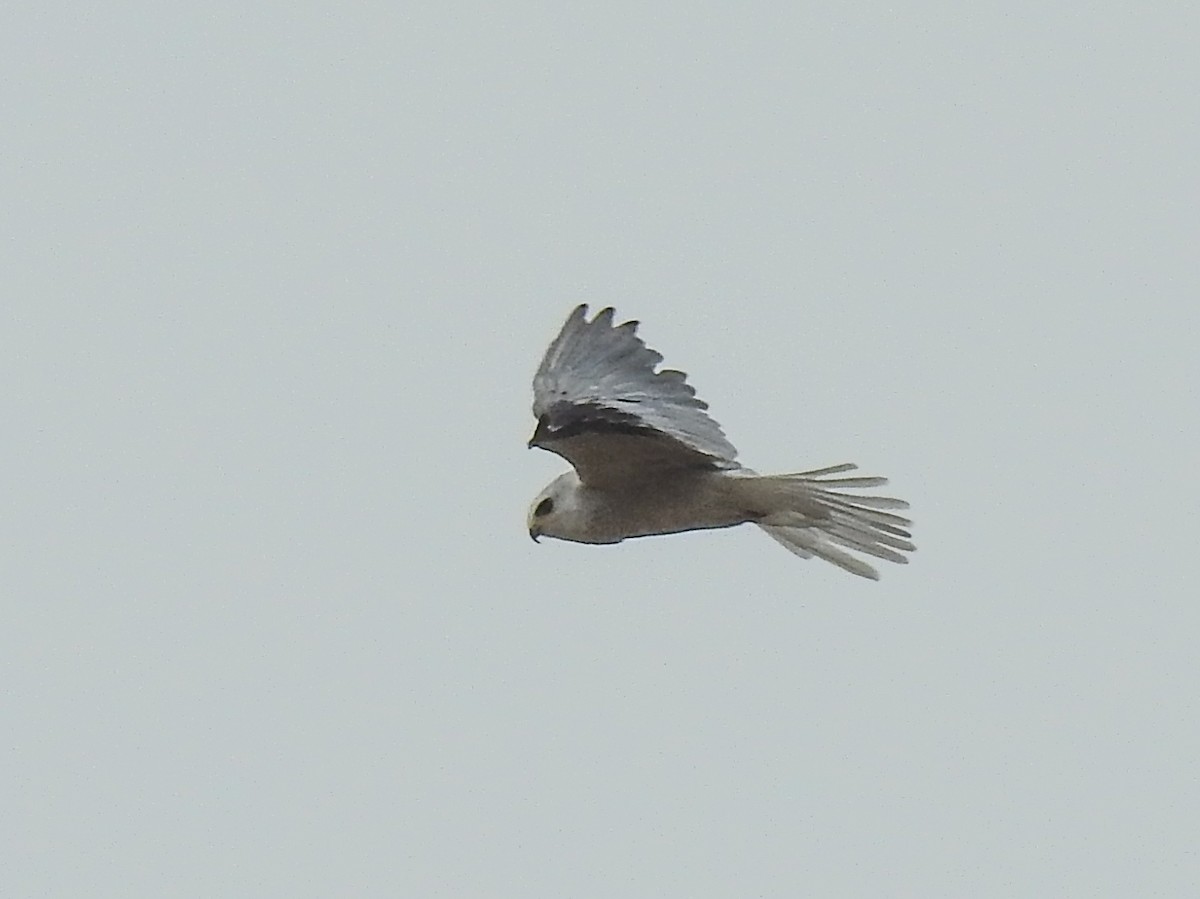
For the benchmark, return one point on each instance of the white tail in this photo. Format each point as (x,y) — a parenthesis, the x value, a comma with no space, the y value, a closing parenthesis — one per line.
(809,515)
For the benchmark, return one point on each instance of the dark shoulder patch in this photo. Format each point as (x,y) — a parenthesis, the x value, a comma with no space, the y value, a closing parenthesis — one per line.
(563,420)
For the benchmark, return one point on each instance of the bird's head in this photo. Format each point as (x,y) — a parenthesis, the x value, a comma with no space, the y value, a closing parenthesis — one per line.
(555,511)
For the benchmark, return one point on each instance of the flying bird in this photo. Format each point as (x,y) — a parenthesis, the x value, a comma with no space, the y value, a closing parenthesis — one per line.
(647,459)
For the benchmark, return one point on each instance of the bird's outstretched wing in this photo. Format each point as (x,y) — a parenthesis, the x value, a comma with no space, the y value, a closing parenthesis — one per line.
(601,405)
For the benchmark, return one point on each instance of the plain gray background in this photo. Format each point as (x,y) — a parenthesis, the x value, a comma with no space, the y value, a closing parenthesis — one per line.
(276,277)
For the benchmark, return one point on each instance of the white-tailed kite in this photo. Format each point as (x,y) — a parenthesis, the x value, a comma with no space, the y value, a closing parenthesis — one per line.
(647,460)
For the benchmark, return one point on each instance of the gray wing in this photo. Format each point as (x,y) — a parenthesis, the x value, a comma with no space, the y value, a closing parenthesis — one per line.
(601,405)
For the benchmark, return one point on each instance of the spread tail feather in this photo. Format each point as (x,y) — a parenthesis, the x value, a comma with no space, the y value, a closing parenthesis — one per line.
(808,514)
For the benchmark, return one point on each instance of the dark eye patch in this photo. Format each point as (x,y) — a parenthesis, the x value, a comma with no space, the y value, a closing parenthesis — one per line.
(545,507)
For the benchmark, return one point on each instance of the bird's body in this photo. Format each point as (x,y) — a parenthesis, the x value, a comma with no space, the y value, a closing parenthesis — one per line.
(688,500)
(647,460)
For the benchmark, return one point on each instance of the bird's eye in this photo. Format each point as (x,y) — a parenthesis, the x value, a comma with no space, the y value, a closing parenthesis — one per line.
(545,507)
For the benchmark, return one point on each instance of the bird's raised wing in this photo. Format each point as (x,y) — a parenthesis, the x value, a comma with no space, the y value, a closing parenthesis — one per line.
(601,405)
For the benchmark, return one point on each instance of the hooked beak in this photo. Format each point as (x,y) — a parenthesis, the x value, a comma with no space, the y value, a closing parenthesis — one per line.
(534,533)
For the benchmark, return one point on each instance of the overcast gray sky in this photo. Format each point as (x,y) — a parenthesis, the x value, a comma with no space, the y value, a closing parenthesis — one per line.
(276,279)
